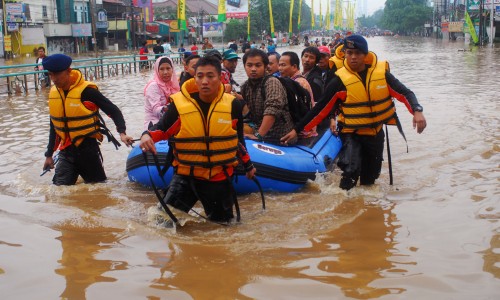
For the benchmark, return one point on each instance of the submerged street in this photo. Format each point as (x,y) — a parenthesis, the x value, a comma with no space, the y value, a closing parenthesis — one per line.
(434,234)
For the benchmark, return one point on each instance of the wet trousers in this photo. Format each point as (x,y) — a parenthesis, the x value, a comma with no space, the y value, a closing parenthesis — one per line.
(84,160)
(217,197)
(361,158)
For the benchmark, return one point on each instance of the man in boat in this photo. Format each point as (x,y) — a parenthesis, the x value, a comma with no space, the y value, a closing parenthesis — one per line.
(229,63)
(205,128)
(289,66)
(273,67)
(310,57)
(359,99)
(76,127)
(266,99)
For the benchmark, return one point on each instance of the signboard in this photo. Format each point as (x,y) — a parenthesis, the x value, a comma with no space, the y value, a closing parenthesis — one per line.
(455,26)
(173,25)
(79,30)
(237,9)
(102,21)
(212,29)
(7,40)
(102,24)
(12,26)
(474,4)
(444,26)
(153,28)
(15,12)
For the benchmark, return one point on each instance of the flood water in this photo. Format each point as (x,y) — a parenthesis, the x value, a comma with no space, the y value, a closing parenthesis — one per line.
(434,234)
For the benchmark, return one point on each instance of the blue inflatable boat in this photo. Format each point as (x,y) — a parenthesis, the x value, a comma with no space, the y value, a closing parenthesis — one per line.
(279,168)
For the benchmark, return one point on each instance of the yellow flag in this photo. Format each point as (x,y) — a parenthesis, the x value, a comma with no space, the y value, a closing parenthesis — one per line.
(271,17)
(222,11)
(300,13)
(181,14)
(312,14)
(290,26)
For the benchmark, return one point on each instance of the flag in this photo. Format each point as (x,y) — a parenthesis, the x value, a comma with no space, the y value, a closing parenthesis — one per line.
(181,14)
(248,22)
(300,13)
(271,17)
(312,14)
(290,26)
(472,29)
(222,11)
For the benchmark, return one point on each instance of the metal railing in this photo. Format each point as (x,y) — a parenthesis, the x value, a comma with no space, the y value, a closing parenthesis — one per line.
(23,78)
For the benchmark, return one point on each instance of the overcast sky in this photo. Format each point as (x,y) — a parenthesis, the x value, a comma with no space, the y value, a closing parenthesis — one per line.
(374,5)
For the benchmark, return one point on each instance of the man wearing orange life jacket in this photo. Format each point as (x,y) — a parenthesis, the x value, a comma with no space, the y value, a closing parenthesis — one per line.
(76,127)
(204,126)
(361,100)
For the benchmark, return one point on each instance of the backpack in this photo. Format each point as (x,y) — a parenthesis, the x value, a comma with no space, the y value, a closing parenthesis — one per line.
(298,98)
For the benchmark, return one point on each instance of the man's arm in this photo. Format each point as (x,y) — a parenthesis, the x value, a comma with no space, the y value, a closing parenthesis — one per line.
(274,104)
(399,91)
(93,95)
(334,92)
(406,96)
(242,153)
(168,125)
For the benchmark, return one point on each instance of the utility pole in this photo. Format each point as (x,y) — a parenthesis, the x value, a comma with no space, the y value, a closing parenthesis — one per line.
(492,23)
(481,23)
(4,26)
(94,34)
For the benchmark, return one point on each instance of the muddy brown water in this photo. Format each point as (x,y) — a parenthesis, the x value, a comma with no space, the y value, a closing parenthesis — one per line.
(434,234)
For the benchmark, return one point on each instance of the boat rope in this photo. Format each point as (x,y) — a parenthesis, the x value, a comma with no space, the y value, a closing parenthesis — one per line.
(389,161)
(261,192)
(157,193)
(160,198)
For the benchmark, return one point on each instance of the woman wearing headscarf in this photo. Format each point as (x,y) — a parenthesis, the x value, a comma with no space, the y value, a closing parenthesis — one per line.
(158,90)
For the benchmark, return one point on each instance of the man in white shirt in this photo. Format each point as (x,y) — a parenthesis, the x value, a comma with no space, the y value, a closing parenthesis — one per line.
(167,49)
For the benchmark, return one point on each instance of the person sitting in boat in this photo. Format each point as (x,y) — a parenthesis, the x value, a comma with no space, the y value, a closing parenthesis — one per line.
(289,66)
(310,57)
(205,128)
(364,103)
(158,90)
(189,64)
(76,127)
(266,99)
(273,67)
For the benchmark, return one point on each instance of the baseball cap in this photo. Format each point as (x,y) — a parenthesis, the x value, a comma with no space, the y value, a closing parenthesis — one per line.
(229,54)
(324,50)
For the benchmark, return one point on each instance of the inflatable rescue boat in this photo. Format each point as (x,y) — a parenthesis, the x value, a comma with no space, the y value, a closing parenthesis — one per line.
(279,168)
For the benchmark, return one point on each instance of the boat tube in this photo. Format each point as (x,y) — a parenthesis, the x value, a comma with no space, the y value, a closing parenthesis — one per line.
(279,168)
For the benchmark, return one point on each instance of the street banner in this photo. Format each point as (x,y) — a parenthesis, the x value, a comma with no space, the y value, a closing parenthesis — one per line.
(213,29)
(181,14)
(237,9)
(221,11)
(472,29)
(456,26)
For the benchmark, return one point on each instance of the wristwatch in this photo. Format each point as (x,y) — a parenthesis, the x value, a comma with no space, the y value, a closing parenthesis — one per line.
(418,108)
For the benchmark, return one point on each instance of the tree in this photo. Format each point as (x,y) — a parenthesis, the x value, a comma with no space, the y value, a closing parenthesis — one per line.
(373,20)
(405,16)
(235,29)
(259,16)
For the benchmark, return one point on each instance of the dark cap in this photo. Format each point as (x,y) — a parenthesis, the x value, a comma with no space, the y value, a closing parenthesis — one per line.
(214,53)
(56,63)
(356,41)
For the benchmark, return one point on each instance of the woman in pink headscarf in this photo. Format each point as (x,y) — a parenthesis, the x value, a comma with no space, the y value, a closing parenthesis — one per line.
(158,90)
